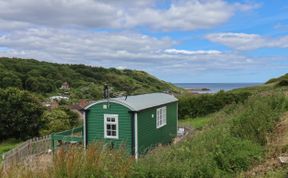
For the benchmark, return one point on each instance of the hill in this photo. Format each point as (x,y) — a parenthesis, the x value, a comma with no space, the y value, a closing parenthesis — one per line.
(46,78)
(280,81)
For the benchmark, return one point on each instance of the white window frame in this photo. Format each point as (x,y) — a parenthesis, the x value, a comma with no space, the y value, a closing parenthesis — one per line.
(115,116)
(161,117)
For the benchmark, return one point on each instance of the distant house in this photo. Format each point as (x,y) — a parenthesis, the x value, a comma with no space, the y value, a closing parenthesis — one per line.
(59,98)
(65,86)
(139,122)
(78,107)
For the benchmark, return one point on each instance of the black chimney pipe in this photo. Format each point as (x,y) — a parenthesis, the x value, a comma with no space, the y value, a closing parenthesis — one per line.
(106,91)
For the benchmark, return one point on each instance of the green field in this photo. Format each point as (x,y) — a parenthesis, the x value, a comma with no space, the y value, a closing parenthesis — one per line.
(8,145)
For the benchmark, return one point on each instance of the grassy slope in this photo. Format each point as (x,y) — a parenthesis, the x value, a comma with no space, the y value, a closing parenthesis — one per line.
(196,123)
(232,140)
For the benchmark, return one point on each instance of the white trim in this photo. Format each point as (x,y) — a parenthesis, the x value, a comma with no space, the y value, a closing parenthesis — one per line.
(161,117)
(136,134)
(84,129)
(115,116)
(111,100)
(177,115)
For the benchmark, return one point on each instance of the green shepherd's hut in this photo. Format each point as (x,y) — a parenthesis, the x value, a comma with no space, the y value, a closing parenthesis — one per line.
(139,122)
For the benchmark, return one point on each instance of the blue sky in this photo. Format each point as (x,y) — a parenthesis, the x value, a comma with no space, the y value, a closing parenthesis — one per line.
(175,40)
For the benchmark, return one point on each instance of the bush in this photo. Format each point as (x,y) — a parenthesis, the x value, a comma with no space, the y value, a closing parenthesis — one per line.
(259,117)
(282,83)
(59,119)
(192,106)
(20,113)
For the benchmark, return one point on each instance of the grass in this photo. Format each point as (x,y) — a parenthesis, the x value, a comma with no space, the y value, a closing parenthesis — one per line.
(229,143)
(8,145)
(196,123)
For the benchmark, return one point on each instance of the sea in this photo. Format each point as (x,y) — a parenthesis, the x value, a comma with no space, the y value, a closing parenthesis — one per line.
(214,87)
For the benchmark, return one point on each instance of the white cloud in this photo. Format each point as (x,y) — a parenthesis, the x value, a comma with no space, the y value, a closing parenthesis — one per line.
(243,41)
(189,52)
(131,50)
(179,15)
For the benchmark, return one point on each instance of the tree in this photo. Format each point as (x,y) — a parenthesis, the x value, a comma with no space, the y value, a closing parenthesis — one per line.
(20,114)
(58,120)
(9,79)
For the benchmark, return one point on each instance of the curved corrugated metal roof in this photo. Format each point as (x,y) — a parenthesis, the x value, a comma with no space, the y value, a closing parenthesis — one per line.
(140,102)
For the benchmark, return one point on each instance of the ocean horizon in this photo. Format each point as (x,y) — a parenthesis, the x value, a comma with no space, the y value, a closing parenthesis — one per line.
(214,87)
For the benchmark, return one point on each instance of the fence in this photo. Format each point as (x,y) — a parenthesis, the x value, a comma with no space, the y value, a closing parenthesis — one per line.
(74,135)
(40,145)
(30,147)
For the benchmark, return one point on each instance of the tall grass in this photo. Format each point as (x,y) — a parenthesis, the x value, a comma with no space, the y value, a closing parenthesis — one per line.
(232,142)
(96,161)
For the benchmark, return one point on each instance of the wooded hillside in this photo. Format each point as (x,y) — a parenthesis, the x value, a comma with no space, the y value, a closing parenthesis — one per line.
(44,77)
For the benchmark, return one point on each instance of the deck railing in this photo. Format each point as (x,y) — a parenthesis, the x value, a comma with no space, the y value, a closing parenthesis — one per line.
(74,135)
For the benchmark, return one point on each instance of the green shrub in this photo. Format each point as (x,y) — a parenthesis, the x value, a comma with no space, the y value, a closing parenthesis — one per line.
(259,117)
(59,119)
(282,83)
(20,113)
(235,155)
(192,106)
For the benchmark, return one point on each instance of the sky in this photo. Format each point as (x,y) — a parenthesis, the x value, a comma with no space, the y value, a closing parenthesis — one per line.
(201,41)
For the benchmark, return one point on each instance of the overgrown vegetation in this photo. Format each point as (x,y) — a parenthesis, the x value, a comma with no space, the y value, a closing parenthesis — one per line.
(85,81)
(275,80)
(195,123)
(192,106)
(217,151)
(96,162)
(8,145)
(58,120)
(229,144)
(20,114)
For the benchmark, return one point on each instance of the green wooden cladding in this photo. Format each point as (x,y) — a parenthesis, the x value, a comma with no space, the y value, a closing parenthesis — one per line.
(95,124)
(148,135)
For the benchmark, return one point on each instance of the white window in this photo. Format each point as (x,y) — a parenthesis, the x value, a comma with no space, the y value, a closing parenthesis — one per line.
(111,126)
(161,118)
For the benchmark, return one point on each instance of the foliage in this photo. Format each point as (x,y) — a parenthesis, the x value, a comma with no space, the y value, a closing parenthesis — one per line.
(196,123)
(8,145)
(259,117)
(20,113)
(274,80)
(58,120)
(215,151)
(282,83)
(85,81)
(95,162)
(191,106)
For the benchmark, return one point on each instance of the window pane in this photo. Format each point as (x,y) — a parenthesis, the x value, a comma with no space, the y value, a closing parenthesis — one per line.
(112,119)
(113,133)
(108,119)
(108,133)
(113,127)
(108,126)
